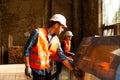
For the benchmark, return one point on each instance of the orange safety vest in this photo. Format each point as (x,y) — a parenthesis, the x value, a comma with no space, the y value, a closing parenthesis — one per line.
(67,46)
(40,54)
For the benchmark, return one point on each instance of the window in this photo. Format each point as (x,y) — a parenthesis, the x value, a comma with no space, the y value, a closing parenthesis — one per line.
(111,12)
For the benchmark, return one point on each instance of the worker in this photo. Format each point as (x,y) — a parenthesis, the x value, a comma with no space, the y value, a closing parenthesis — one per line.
(66,45)
(43,46)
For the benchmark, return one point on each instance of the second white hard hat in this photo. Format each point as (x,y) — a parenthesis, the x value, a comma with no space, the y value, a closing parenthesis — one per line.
(60,18)
(68,33)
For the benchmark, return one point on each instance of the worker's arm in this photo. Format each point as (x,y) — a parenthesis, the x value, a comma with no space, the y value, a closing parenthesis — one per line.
(26,59)
(67,64)
(31,42)
(28,70)
(63,58)
(71,53)
(69,58)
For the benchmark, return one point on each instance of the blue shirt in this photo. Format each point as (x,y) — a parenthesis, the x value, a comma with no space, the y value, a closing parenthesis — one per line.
(31,42)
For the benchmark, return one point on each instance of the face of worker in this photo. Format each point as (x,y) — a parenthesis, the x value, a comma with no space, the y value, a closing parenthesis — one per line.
(68,38)
(59,28)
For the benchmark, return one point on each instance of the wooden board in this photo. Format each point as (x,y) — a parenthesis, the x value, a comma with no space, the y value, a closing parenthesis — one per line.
(13,72)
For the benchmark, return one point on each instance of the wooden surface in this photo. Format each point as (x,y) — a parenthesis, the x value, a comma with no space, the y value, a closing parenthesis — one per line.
(13,72)
(15,55)
(16,72)
(89,76)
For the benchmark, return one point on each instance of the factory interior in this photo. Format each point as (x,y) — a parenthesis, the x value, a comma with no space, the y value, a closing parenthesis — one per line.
(95,25)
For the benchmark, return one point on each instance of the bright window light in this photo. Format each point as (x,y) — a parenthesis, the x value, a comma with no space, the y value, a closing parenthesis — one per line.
(111,12)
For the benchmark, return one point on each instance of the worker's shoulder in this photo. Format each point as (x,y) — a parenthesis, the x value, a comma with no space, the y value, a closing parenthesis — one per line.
(36,30)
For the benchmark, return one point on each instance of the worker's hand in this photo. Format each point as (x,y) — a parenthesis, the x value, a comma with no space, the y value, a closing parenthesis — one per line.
(28,71)
(78,73)
(75,72)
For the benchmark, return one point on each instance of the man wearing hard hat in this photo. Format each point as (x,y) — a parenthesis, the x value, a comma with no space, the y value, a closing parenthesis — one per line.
(42,46)
(66,45)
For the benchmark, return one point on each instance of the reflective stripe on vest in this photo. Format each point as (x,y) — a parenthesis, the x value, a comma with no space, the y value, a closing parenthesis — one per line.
(40,54)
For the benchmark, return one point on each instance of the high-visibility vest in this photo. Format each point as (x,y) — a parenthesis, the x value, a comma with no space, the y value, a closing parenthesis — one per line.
(41,52)
(67,46)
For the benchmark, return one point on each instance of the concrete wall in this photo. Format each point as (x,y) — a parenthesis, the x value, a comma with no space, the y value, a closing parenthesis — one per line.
(20,16)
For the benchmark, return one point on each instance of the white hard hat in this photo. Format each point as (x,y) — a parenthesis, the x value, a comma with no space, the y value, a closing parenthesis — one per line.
(68,33)
(60,18)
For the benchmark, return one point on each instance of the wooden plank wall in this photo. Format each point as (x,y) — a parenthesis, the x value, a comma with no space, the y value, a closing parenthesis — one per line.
(15,53)
(1,54)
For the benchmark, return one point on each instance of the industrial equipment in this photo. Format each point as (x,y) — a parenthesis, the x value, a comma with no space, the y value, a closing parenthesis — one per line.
(99,56)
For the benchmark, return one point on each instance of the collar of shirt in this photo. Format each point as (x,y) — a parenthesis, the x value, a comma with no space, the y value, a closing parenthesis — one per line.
(49,35)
